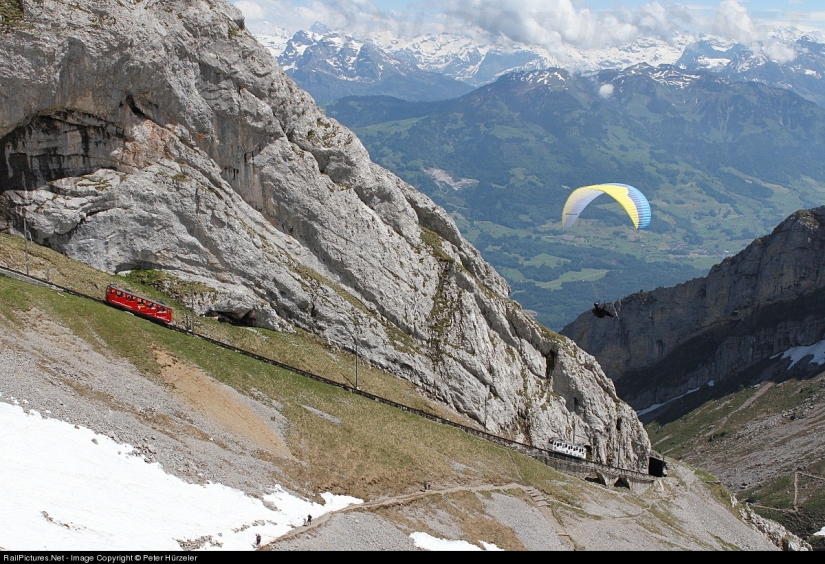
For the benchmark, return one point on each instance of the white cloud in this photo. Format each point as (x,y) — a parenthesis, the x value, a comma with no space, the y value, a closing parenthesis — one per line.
(806,21)
(554,23)
(732,21)
(779,52)
(606,91)
(547,23)
(251,10)
(355,16)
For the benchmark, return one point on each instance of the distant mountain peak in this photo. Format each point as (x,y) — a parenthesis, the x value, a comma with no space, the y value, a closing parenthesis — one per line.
(335,64)
(670,76)
(437,66)
(667,75)
(319,28)
(550,77)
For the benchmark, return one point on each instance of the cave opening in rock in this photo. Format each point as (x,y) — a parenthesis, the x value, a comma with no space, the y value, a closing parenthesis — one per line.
(60,144)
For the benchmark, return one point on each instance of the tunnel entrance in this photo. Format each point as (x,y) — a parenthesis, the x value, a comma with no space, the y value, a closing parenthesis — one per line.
(657,467)
(595,478)
(622,483)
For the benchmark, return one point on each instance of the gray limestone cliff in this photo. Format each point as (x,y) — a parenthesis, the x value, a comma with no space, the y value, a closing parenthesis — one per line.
(731,327)
(160,135)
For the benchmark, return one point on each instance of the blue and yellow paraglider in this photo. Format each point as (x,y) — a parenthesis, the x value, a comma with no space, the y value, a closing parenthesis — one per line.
(633,202)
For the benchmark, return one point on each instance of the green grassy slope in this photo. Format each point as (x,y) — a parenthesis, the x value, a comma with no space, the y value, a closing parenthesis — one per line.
(351,457)
(763,437)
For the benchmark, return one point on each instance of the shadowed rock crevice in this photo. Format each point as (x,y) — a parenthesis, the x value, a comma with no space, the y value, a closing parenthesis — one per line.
(780,323)
(56,145)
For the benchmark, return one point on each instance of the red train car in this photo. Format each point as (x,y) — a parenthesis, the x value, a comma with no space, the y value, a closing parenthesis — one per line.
(138,304)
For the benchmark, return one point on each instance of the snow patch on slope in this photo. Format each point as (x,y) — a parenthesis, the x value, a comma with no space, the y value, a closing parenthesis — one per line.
(429,542)
(658,405)
(798,353)
(65,487)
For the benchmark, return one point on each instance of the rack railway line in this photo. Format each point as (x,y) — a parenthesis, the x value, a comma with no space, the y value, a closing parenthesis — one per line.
(591,471)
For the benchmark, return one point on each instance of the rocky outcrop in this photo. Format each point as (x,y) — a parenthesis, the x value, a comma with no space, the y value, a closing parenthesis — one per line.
(161,135)
(773,531)
(730,327)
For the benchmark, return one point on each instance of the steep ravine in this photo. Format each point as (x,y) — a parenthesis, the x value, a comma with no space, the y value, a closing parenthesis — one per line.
(161,135)
(729,328)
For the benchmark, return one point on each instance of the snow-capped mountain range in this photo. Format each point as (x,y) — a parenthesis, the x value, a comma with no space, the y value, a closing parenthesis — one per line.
(332,64)
(793,62)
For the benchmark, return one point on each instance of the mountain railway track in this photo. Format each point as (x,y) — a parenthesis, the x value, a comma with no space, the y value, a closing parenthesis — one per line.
(588,470)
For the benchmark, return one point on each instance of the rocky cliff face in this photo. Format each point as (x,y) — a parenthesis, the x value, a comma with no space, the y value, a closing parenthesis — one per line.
(160,135)
(736,324)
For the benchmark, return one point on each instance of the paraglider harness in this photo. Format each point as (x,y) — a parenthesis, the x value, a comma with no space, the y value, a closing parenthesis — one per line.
(600,311)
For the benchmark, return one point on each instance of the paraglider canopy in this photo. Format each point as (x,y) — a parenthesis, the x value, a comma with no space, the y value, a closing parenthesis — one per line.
(633,202)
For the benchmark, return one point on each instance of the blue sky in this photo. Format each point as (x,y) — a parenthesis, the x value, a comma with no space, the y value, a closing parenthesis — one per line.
(762,9)
(753,5)
(582,23)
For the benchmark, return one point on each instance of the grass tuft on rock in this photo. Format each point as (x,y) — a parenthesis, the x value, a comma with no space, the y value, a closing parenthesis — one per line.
(11,13)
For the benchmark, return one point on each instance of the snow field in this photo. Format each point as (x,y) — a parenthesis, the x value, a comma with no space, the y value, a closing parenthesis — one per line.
(67,488)
(429,542)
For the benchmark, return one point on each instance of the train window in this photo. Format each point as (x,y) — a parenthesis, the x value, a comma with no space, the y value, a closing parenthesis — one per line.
(120,294)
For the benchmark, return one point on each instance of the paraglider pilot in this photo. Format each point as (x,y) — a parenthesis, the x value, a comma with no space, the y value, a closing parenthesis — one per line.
(601,311)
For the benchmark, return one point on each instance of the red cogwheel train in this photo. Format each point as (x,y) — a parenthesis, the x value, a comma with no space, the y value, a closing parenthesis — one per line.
(139,305)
